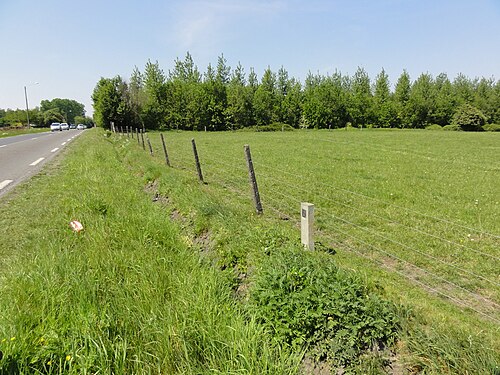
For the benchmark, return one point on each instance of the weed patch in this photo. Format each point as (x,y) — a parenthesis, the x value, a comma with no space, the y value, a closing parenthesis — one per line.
(306,301)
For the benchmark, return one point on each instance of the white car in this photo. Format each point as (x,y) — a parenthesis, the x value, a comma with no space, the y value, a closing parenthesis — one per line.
(81,127)
(64,126)
(55,126)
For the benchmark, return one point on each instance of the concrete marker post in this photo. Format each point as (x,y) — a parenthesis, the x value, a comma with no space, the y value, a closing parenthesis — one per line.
(307,225)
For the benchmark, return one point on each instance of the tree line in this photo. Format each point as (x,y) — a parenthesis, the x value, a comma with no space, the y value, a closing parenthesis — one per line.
(223,98)
(49,111)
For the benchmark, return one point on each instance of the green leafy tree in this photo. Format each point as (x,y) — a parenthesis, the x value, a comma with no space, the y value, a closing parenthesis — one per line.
(401,100)
(239,111)
(83,120)
(265,100)
(138,97)
(463,89)
(444,103)
(325,101)
(67,107)
(52,115)
(155,96)
(185,102)
(360,101)
(111,103)
(485,98)
(15,117)
(291,104)
(494,115)
(215,96)
(422,101)
(468,118)
(384,109)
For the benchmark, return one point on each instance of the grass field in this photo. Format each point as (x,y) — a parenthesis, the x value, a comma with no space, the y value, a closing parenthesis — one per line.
(415,212)
(18,131)
(150,285)
(424,205)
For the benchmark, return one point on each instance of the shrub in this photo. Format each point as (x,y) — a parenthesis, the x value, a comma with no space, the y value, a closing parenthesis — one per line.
(434,127)
(491,127)
(274,127)
(452,127)
(469,118)
(306,301)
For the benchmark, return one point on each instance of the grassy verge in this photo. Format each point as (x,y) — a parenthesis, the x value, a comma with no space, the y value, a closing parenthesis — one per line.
(18,131)
(126,295)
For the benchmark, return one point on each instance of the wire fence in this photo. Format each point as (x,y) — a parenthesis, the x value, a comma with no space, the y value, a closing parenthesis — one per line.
(397,240)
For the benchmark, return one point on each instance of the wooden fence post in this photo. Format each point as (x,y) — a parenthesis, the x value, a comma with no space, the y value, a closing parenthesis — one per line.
(137,134)
(150,147)
(253,181)
(306,225)
(197,161)
(165,150)
(142,137)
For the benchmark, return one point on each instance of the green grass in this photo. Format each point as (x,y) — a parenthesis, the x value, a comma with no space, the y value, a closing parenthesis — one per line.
(168,286)
(18,131)
(126,295)
(414,213)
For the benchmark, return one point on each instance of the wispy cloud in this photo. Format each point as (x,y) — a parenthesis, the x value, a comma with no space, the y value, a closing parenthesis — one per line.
(202,22)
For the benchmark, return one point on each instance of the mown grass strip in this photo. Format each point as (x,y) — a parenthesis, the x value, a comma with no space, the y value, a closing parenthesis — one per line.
(19,131)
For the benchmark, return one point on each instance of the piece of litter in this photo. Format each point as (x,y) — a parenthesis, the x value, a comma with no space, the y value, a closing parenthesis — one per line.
(76,226)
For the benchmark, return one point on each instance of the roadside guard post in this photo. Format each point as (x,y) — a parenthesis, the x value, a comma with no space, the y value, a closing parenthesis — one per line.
(306,225)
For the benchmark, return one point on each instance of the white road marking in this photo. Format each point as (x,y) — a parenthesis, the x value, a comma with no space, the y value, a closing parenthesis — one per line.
(62,144)
(34,138)
(69,139)
(54,150)
(3,146)
(36,162)
(5,183)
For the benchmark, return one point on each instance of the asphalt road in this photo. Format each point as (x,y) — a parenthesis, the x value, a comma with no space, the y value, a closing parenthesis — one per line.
(23,156)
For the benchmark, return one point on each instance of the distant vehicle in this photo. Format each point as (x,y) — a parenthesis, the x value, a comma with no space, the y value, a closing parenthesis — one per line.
(55,126)
(81,127)
(64,126)
(72,126)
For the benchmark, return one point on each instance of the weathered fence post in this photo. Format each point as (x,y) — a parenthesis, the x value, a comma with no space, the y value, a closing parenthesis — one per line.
(137,134)
(253,181)
(165,150)
(142,137)
(306,225)
(150,147)
(128,132)
(197,161)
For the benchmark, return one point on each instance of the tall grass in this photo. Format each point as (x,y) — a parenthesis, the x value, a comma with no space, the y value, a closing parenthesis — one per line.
(126,295)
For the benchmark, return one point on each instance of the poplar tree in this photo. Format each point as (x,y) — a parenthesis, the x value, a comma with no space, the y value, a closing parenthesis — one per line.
(401,99)
(384,111)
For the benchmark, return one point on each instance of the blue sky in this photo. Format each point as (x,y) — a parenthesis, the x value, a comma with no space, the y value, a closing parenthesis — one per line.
(67,46)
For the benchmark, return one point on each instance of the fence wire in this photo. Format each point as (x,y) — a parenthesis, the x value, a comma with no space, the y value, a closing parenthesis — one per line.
(283,199)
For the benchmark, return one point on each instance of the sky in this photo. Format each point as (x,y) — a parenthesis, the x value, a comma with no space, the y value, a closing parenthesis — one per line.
(60,49)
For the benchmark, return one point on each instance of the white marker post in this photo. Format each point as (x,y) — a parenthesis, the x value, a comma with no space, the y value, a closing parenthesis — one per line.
(306,225)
